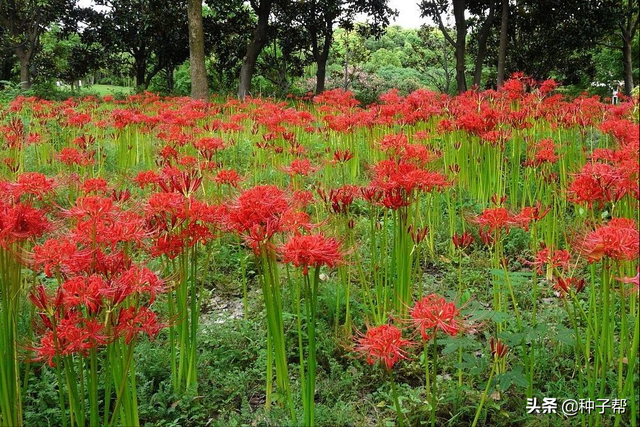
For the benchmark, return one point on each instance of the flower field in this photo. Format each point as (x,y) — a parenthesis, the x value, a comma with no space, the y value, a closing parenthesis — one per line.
(429,260)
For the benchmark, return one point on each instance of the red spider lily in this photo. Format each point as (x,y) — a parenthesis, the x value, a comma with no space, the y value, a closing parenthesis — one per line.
(92,208)
(564,285)
(554,258)
(83,291)
(492,219)
(383,344)
(71,156)
(340,199)
(302,198)
(342,156)
(229,177)
(530,213)
(417,234)
(132,322)
(257,206)
(632,280)
(21,222)
(138,280)
(462,241)
(544,151)
(94,185)
(498,201)
(435,313)
(33,183)
(208,145)
(294,221)
(299,167)
(618,240)
(390,176)
(74,333)
(498,348)
(597,183)
(312,250)
(183,182)
(146,178)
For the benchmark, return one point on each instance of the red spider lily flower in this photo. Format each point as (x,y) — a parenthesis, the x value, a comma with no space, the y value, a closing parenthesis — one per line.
(299,167)
(618,240)
(21,222)
(53,254)
(71,156)
(597,183)
(632,280)
(94,185)
(530,213)
(383,344)
(339,199)
(563,286)
(312,250)
(553,258)
(462,241)
(133,321)
(434,312)
(486,237)
(83,291)
(492,219)
(295,221)
(92,208)
(146,178)
(392,177)
(342,156)
(208,145)
(229,177)
(257,206)
(302,198)
(33,183)
(544,152)
(417,234)
(138,280)
(183,182)
(498,201)
(498,348)
(167,244)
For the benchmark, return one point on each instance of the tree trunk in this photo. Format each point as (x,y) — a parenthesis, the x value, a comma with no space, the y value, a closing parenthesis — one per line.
(482,44)
(141,69)
(199,86)
(254,48)
(461,34)
(321,73)
(627,63)
(502,52)
(25,71)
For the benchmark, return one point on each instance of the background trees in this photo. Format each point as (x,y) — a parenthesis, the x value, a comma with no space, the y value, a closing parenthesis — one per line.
(311,45)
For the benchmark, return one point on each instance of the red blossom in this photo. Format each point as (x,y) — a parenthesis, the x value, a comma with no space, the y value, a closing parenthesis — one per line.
(312,250)
(433,313)
(383,344)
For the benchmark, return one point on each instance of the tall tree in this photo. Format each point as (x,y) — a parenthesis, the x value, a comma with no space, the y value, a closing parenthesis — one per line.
(24,21)
(199,85)
(435,9)
(502,52)
(318,18)
(628,27)
(262,9)
(485,13)
(153,32)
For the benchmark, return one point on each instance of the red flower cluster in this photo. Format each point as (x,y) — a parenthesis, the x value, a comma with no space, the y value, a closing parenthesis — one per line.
(433,313)
(383,344)
(618,240)
(313,250)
